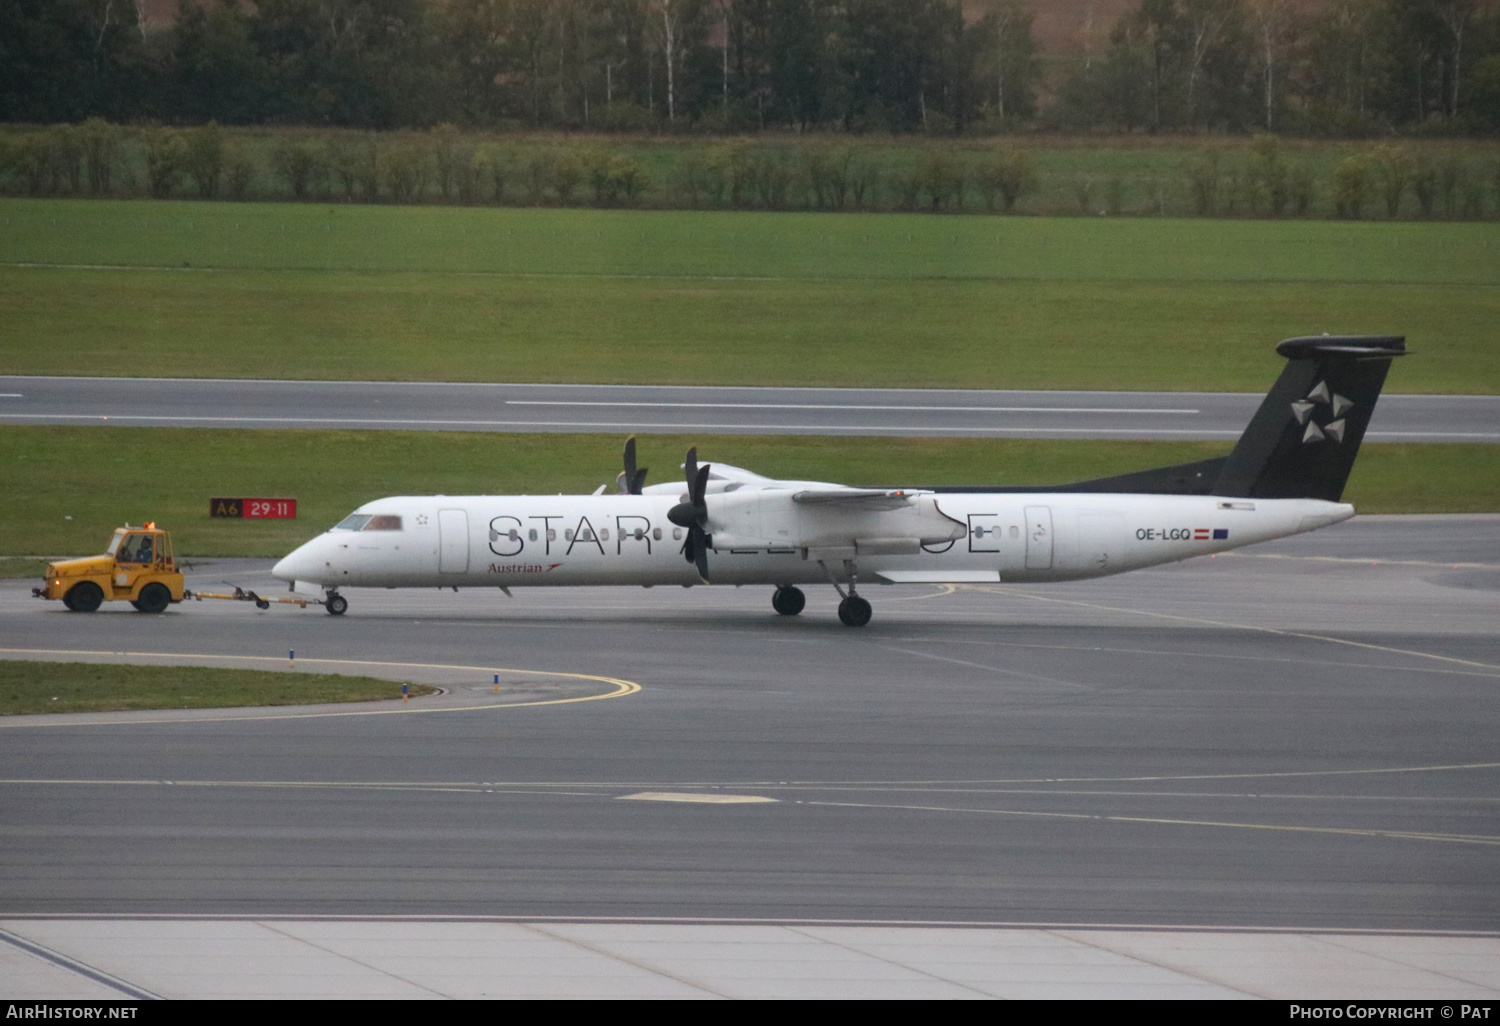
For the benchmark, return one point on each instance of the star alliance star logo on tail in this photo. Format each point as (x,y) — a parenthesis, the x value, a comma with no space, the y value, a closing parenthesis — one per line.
(1307,411)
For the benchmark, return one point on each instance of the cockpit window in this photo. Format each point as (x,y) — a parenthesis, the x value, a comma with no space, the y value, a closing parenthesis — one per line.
(384,522)
(353,522)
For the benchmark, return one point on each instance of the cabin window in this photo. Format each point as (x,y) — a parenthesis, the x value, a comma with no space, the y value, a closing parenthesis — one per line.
(353,522)
(532,534)
(604,533)
(677,534)
(552,534)
(568,534)
(639,533)
(383,522)
(513,534)
(656,533)
(1015,532)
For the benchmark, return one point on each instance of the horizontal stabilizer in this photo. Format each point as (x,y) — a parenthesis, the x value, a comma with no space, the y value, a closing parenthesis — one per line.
(1356,347)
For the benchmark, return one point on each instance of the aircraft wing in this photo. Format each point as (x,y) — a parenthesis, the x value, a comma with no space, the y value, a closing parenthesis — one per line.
(857,498)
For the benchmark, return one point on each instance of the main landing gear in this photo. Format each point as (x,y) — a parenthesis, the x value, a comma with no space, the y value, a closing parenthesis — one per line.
(788,601)
(853,610)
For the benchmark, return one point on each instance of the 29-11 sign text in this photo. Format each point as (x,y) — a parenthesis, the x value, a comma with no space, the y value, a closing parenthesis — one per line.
(252,508)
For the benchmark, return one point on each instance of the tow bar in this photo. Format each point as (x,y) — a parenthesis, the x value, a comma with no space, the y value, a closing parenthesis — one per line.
(241,595)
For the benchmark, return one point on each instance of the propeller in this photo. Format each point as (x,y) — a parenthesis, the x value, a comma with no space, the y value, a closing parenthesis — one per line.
(692,513)
(630,479)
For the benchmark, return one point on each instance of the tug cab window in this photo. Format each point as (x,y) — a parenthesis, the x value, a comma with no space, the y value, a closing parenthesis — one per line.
(137,548)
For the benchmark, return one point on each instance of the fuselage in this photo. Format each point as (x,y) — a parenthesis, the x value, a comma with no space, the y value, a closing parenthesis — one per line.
(517,541)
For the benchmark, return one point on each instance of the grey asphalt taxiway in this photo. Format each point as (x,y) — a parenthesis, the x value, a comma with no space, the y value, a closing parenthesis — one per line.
(1302,735)
(172,402)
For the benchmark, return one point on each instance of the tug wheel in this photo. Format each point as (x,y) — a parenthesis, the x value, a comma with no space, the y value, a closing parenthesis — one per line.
(84,597)
(154,598)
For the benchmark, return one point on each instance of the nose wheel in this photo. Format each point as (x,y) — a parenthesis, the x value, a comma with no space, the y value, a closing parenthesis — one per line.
(788,601)
(336,604)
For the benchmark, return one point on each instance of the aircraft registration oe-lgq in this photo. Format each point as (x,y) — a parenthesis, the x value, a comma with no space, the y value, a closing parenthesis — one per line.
(1285,476)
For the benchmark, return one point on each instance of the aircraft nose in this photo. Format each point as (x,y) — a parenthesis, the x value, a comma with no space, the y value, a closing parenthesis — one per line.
(296,565)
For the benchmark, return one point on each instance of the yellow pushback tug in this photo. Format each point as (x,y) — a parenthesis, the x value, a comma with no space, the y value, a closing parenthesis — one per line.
(137,567)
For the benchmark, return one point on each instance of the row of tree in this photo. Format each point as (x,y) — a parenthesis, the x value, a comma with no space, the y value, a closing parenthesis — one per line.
(447,165)
(940,66)
(1305,67)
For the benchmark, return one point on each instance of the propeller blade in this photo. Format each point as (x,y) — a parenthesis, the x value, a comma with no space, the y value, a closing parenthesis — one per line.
(639,481)
(692,513)
(626,477)
(700,554)
(697,489)
(695,550)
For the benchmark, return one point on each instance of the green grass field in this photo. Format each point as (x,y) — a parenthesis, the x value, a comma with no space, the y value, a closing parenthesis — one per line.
(426,293)
(28,688)
(170,474)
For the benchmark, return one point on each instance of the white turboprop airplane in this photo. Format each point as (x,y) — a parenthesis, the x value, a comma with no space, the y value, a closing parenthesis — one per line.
(1285,476)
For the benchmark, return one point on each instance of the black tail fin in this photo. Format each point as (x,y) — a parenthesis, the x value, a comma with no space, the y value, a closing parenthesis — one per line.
(1302,441)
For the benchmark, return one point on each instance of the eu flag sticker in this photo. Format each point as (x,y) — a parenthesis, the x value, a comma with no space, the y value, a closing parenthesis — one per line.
(1221,534)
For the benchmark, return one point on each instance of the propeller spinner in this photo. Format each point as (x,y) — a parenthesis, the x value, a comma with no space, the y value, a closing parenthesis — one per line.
(692,513)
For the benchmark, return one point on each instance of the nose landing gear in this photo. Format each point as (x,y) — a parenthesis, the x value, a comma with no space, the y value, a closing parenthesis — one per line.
(336,604)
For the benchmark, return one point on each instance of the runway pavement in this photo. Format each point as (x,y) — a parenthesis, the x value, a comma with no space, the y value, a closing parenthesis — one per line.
(625,408)
(1301,736)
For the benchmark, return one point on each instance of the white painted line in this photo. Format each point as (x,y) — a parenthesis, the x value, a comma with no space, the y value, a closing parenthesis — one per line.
(844,406)
(702,799)
(11,395)
(631,425)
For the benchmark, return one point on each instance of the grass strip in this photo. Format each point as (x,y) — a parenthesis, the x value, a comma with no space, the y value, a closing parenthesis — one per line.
(740,244)
(79,483)
(14,568)
(29,688)
(1191,336)
(182,289)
